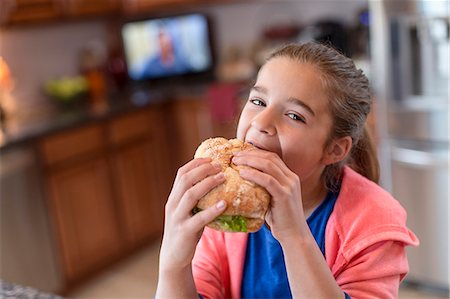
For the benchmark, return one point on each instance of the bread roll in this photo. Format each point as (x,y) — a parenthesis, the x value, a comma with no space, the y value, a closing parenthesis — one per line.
(247,202)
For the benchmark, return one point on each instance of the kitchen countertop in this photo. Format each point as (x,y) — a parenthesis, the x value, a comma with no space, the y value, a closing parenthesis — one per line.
(54,120)
(60,119)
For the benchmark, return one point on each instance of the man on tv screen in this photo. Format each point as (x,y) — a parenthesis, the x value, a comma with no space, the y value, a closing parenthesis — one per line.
(168,60)
(167,47)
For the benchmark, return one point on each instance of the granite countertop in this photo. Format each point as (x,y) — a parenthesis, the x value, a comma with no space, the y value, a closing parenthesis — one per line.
(61,119)
(12,290)
(17,133)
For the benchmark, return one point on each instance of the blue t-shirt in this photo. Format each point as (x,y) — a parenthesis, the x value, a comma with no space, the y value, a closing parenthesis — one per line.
(265,273)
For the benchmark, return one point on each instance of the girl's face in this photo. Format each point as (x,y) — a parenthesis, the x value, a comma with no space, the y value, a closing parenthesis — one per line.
(287,113)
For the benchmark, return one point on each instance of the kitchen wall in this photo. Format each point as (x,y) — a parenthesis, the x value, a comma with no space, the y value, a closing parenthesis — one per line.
(39,52)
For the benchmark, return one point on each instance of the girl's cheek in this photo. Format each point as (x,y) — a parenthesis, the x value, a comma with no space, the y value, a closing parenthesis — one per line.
(240,131)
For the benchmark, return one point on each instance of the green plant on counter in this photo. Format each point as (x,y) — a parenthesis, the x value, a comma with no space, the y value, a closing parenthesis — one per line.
(67,89)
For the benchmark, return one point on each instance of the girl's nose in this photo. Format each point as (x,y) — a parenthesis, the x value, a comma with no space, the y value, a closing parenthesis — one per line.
(265,122)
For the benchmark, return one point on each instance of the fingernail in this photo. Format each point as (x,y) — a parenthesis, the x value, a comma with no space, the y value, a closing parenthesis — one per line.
(220,205)
(217,166)
(235,153)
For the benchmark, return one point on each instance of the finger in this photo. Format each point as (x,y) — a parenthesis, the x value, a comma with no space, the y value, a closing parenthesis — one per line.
(191,165)
(201,219)
(271,184)
(262,164)
(268,218)
(193,194)
(190,178)
(269,156)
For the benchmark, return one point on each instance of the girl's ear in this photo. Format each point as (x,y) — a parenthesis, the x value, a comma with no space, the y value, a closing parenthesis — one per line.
(337,150)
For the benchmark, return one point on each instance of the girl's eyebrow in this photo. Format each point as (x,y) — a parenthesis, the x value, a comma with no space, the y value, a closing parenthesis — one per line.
(302,104)
(259,89)
(292,100)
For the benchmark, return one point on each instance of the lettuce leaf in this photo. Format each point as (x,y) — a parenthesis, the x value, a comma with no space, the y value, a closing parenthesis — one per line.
(233,223)
(230,223)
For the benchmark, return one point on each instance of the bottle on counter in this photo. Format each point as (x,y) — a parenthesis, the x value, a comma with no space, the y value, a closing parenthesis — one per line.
(92,61)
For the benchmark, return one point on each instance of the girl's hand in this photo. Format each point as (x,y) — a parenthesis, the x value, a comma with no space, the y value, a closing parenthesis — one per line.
(285,216)
(182,230)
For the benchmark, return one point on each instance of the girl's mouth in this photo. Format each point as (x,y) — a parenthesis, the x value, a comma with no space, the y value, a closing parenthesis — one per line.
(257,146)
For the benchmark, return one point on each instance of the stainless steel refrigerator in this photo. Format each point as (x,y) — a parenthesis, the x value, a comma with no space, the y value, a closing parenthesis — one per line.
(410,71)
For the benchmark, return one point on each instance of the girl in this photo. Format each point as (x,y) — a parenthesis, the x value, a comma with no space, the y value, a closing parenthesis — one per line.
(331,233)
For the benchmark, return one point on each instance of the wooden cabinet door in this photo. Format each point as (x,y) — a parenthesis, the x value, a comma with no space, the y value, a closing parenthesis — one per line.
(22,11)
(142,171)
(135,174)
(85,216)
(190,127)
(91,7)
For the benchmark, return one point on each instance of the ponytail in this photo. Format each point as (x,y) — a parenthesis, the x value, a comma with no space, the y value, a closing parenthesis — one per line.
(363,157)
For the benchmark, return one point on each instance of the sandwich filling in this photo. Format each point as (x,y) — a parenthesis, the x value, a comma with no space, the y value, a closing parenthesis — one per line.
(232,223)
(229,223)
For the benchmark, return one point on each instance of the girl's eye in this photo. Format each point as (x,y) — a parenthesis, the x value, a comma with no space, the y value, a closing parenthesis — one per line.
(257,102)
(296,117)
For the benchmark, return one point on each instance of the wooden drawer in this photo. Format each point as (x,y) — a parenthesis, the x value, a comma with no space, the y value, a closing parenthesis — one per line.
(130,127)
(70,144)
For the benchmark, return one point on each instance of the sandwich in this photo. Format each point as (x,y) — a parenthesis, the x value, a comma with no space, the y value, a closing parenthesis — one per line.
(247,202)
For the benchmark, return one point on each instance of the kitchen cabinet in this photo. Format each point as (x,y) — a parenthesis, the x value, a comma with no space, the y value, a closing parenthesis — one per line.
(189,127)
(80,199)
(191,124)
(26,11)
(85,217)
(140,173)
(107,183)
(139,6)
(33,11)
(79,8)
(136,186)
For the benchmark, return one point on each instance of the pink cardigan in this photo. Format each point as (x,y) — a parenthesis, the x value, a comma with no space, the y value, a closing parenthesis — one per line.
(364,246)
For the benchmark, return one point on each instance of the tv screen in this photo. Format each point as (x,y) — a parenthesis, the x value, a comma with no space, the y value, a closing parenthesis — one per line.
(167,47)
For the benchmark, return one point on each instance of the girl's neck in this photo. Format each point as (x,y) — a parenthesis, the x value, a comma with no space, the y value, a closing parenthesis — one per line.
(312,196)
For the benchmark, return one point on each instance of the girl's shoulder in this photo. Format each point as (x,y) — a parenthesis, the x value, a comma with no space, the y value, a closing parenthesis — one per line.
(358,192)
(364,214)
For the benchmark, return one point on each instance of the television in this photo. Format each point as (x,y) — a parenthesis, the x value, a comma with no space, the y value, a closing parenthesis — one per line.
(177,46)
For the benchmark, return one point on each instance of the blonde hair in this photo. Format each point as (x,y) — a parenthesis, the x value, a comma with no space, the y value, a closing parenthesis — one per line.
(349,100)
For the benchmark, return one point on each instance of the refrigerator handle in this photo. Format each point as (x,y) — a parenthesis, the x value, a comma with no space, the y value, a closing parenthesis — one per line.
(420,159)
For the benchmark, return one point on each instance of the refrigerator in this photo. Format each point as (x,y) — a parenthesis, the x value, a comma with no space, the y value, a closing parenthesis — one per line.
(410,61)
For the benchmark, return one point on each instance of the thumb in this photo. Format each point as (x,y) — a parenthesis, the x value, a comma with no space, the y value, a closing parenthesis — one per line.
(204,217)
(268,218)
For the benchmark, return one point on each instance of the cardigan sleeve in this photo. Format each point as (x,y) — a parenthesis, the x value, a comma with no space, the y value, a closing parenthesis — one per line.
(375,272)
(209,267)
